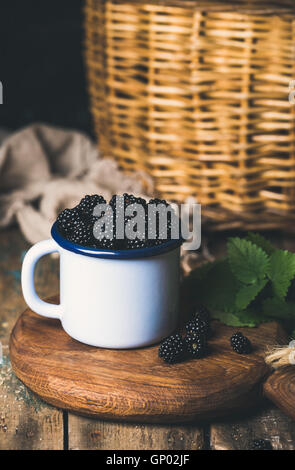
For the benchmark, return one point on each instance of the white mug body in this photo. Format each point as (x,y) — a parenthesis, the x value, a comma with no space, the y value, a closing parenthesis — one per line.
(115,303)
(109,300)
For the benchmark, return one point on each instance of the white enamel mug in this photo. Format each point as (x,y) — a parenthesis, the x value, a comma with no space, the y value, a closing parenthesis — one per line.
(110,299)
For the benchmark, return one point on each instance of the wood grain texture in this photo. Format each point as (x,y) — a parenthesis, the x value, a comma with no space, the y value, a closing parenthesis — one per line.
(90,434)
(280,389)
(31,424)
(135,385)
(280,386)
(268,423)
(25,421)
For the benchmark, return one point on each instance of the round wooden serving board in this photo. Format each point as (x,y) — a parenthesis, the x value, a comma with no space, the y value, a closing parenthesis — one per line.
(280,389)
(135,385)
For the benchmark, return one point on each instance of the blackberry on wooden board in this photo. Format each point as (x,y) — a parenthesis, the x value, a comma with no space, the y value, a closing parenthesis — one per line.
(198,326)
(196,345)
(171,349)
(240,343)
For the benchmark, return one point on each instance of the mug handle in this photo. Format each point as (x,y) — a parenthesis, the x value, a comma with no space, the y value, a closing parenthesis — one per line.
(27,279)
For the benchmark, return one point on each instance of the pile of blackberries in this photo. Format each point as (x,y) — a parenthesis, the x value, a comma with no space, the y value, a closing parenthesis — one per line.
(194,344)
(78,225)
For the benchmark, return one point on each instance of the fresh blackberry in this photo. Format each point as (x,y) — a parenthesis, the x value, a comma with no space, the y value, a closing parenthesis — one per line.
(88,203)
(240,343)
(203,313)
(113,202)
(129,199)
(82,234)
(120,244)
(119,205)
(125,200)
(171,349)
(67,219)
(136,243)
(105,228)
(141,239)
(155,242)
(78,224)
(198,326)
(196,345)
(164,233)
(157,201)
(90,220)
(260,444)
(104,244)
(141,201)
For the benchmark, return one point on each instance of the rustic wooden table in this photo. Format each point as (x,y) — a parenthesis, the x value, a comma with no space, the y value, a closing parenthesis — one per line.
(28,423)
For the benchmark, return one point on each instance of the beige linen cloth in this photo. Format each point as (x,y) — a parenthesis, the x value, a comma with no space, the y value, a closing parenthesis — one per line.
(44,169)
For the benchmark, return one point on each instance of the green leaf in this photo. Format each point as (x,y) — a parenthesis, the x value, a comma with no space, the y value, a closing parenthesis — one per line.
(228,318)
(260,241)
(281,271)
(248,262)
(240,318)
(248,293)
(251,318)
(249,286)
(218,289)
(278,308)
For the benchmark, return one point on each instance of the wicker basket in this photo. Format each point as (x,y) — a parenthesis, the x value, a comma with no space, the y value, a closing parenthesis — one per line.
(196,94)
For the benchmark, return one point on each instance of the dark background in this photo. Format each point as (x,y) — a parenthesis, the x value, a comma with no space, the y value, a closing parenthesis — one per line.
(41,64)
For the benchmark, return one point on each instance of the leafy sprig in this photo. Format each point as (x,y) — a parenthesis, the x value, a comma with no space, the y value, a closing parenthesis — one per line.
(250,286)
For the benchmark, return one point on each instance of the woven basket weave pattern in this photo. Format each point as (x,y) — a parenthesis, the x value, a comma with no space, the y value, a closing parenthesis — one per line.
(198,98)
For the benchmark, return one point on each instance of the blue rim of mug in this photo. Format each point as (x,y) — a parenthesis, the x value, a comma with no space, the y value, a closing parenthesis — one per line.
(113,254)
